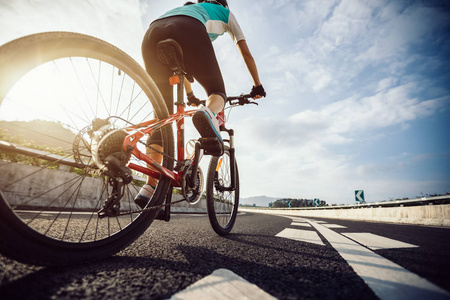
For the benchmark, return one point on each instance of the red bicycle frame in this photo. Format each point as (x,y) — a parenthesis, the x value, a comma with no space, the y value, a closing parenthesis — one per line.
(154,169)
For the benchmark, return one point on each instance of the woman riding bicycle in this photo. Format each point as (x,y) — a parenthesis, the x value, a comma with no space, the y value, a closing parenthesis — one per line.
(194,26)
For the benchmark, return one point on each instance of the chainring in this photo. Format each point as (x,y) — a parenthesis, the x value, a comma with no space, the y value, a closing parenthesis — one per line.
(192,195)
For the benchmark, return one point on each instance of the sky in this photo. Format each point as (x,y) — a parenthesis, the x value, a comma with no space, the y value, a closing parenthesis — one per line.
(358,92)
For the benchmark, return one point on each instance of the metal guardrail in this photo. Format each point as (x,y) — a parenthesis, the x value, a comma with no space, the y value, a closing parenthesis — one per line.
(444,199)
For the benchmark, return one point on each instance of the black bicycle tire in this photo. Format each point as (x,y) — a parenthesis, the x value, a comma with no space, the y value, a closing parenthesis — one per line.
(212,215)
(20,242)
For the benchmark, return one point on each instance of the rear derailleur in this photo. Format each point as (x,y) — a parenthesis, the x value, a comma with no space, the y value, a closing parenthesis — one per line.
(111,160)
(118,177)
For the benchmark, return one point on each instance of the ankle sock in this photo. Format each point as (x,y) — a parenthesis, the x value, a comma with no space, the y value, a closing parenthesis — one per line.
(147,191)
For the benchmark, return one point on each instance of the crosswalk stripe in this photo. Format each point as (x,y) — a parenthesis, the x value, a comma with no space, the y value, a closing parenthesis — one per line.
(297,219)
(222,284)
(387,279)
(307,236)
(300,224)
(376,242)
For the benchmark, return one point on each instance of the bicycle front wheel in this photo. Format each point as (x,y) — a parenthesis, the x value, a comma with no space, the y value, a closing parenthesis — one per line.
(56,90)
(222,201)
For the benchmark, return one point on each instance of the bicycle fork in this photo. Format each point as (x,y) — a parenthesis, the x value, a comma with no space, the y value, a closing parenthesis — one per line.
(233,170)
(197,155)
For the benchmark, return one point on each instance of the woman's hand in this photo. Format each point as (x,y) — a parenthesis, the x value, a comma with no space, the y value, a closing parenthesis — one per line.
(192,100)
(258,92)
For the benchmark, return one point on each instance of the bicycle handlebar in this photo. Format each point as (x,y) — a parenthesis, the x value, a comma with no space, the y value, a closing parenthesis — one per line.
(241,100)
(237,100)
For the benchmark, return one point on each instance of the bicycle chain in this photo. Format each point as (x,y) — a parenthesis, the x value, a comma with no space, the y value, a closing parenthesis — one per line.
(149,208)
(159,206)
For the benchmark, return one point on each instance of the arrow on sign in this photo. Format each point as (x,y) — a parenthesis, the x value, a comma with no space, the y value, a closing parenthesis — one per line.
(359,195)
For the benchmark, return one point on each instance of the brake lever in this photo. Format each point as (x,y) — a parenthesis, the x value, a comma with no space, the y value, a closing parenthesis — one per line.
(246,101)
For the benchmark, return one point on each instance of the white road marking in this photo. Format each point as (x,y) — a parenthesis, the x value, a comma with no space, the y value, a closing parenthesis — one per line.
(387,279)
(333,226)
(296,219)
(222,284)
(376,242)
(300,224)
(307,236)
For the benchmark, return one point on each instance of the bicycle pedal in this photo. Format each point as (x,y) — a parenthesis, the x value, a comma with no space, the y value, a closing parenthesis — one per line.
(212,146)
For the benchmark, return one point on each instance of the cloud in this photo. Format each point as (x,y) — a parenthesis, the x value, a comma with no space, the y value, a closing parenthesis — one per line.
(348,22)
(384,109)
(302,146)
(341,122)
(386,83)
(300,17)
(351,38)
(401,27)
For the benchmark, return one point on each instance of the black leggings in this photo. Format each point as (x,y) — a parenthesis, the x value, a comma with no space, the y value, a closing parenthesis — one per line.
(198,53)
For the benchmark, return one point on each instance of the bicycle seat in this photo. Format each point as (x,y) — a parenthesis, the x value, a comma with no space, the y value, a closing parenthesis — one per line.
(170,53)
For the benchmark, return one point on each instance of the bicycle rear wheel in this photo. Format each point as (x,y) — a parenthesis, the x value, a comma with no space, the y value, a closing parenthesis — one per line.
(56,90)
(222,203)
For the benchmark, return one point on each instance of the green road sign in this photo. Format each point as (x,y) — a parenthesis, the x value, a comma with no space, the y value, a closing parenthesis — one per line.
(359,196)
(316,202)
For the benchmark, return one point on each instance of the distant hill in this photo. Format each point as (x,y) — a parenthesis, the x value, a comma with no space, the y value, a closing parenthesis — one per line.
(38,132)
(258,200)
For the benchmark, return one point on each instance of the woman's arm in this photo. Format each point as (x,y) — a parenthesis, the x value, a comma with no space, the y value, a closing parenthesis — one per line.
(249,61)
(192,100)
(187,86)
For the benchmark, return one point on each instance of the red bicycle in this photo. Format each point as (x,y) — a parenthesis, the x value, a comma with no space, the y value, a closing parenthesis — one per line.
(75,116)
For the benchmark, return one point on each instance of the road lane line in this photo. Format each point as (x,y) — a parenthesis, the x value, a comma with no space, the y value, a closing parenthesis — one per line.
(333,226)
(307,236)
(295,219)
(300,224)
(377,242)
(222,284)
(387,279)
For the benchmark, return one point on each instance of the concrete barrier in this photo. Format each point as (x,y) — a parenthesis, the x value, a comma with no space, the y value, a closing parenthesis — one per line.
(432,215)
(35,187)
(31,186)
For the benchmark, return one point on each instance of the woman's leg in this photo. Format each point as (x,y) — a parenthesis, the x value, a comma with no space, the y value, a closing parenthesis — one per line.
(160,74)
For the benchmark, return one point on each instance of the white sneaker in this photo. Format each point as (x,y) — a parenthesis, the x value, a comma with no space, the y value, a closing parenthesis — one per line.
(208,127)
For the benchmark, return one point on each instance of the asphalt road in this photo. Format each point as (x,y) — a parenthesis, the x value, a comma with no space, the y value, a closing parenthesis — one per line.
(309,259)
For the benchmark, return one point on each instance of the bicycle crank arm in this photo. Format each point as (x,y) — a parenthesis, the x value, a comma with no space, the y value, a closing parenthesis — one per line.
(195,165)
